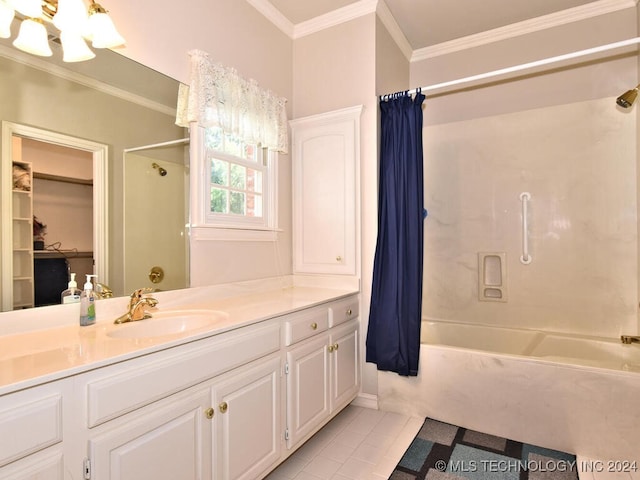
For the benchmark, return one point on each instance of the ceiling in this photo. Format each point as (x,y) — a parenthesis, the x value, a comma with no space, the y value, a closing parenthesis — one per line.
(431,22)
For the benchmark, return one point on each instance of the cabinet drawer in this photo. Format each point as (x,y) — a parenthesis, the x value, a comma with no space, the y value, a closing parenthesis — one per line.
(305,325)
(343,311)
(144,380)
(30,427)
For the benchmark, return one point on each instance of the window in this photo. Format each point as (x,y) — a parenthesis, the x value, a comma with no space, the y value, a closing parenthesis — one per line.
(241,183)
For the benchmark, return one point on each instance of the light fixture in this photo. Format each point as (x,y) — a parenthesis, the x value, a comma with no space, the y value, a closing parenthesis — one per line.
(6,17)
(75,21)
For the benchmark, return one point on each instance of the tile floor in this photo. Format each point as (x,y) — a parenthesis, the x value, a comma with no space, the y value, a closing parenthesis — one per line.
(358,444)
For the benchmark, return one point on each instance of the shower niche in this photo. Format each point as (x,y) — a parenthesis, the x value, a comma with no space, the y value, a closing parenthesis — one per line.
(492,275)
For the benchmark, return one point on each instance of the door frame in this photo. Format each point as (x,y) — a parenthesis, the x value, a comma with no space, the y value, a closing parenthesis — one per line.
(100,154)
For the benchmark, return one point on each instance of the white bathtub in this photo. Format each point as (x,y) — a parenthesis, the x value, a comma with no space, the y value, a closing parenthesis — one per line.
(576,394)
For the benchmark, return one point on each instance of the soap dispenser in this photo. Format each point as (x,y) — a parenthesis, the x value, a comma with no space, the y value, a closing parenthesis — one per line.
(72,293)
(88,304)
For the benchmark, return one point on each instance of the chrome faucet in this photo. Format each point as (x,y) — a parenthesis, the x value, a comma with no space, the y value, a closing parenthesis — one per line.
(138,303)
(629,339)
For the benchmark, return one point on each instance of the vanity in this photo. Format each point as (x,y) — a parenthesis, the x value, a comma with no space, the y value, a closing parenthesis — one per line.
(225,385)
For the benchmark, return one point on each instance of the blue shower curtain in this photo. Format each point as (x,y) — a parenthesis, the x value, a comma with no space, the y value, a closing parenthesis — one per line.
(393,337)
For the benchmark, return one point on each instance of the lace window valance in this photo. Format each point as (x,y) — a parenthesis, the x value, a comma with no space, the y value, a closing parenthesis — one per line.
(219,97)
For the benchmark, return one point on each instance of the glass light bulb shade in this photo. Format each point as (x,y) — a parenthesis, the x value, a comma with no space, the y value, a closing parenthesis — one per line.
(74,47)
(71,15)
(6,17)
(32,38)
(29,8)
(102,31)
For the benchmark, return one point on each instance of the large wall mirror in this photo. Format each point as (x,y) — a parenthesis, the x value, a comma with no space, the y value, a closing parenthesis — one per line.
(92,152)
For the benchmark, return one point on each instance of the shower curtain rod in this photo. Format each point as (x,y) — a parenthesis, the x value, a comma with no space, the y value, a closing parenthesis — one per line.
(525,66)
(153,145)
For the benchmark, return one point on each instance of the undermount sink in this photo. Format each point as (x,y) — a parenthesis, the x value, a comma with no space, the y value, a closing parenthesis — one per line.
(167,323)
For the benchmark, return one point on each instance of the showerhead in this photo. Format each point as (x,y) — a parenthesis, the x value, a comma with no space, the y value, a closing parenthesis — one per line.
(161,170)
(627,98)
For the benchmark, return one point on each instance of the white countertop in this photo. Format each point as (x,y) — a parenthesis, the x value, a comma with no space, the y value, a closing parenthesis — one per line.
(41,355)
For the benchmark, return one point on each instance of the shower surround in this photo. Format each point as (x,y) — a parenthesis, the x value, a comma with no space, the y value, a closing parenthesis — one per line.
(578,161)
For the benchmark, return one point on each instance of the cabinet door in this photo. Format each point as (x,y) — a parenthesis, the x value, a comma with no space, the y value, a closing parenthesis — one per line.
(325,189)
(167,440)
(345,372)
(307,388)
(247,421)
(47,465)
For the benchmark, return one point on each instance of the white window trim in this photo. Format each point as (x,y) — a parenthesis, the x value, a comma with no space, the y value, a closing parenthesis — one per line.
(205,228)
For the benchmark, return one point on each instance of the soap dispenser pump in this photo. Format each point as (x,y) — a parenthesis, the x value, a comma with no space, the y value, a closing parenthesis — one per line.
(72,293)
(88,304)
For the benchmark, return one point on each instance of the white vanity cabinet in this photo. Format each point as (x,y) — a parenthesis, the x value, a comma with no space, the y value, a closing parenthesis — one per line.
(210,409)
(322,370)
(31,434)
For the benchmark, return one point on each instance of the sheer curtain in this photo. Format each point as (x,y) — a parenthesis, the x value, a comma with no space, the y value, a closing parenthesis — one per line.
(393,336)
(219,97)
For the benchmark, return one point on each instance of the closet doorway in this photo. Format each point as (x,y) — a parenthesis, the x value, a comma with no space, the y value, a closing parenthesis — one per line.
(67,193)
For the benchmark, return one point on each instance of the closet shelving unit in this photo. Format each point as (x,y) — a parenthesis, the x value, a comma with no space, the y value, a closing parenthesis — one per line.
(22,218)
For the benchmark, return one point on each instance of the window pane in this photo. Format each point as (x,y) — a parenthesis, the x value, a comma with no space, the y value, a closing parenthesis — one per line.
(219,200)
(237,203)
(238,177)
(254,205)
(219,172)
(254,180)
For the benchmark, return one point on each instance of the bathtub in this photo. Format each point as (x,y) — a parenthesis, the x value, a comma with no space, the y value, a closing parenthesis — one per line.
(576,394)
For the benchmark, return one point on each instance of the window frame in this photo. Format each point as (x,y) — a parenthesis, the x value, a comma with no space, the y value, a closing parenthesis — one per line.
(231,226)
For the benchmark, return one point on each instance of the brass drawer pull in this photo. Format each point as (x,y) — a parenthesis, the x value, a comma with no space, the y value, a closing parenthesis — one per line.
(349,312)
(223,407)
(209,412)
(314,326)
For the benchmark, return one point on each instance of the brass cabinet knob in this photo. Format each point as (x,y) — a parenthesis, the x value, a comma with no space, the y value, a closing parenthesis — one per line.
(209,412)
(338,258)
(330,348)
(223,407)
(349,312)
(314,326)
(335,346)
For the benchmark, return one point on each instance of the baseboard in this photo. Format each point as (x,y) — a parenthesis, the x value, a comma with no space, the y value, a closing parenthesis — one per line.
(366,400)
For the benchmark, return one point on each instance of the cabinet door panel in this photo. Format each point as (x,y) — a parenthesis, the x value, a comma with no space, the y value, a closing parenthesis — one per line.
(160,442)
(247,426)
(345,376)
(47,465)
(307,388)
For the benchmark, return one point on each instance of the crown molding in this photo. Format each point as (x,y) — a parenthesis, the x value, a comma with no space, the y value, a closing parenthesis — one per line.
(266,8)
(45,66)
(336,17)
(389,21)
(584,12)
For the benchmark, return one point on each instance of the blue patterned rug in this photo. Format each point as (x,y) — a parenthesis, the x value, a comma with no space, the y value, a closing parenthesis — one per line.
(442,451)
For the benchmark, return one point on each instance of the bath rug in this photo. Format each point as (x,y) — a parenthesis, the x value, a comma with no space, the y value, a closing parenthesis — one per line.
(441,451)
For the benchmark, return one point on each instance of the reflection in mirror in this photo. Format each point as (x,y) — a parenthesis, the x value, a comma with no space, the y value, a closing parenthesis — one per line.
(155,195)
(111,101)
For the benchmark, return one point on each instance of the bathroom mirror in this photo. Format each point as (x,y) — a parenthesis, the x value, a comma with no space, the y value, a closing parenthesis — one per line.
(110,100)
